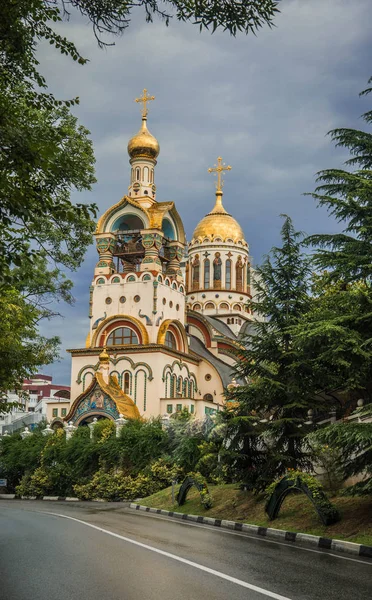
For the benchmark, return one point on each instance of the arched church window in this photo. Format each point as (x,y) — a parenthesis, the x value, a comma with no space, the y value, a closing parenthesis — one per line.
(101,281)
(138,174)
(228,275)
(208,398)
(87,379)
(196,307)
(239,274)
(248,274)
(207,274)
(146,174)
(170,340)
(209,306)
(122,336)
(217,271)
(224,306)
(195,273)
(173,386)
(126,383)
(237,307)
(179,386)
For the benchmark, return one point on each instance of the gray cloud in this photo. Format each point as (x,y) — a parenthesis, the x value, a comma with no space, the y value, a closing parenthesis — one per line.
(263,103)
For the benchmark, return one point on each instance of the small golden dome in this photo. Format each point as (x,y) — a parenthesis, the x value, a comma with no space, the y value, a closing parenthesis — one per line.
(218,224)
(104,357)
(143,144)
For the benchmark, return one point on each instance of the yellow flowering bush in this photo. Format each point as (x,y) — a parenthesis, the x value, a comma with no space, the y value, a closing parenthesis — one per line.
(113,486)
(37,484)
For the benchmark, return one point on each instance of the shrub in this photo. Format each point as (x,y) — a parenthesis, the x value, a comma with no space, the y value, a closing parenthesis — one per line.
(113,486)
(19,457)
(161,473)
(329,459)
(38,484)
(140,443)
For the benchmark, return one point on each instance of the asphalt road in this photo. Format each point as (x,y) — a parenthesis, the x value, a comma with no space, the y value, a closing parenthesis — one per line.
(110,552)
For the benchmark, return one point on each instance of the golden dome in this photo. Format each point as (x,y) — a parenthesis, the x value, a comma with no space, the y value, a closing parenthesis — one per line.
(219,224)
(143,144)
(104,357)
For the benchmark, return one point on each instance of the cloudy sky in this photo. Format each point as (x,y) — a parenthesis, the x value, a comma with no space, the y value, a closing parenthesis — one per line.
(263,103)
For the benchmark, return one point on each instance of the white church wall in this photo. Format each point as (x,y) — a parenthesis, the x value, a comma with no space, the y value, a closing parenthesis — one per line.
(136,299)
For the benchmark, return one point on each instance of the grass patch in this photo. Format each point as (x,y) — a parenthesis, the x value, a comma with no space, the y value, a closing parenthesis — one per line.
(297,513)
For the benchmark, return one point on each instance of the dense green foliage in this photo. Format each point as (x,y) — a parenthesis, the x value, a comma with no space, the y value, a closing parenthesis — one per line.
(314,348)
(144,459)
(337,334)
(347,195)
(44,157)
(22,349)
(266,421)
(45,154)
(353,441)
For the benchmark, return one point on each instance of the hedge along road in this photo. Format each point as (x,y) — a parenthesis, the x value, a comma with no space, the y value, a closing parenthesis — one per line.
(84,551)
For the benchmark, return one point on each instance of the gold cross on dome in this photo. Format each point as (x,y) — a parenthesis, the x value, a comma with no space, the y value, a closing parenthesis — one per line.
(145,98)
(219,168)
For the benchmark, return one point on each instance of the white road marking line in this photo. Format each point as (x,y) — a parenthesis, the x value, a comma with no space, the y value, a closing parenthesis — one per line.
(246,535)
(240,582)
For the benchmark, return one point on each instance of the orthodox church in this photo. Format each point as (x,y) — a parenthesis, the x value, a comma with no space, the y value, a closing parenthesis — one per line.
(165,316)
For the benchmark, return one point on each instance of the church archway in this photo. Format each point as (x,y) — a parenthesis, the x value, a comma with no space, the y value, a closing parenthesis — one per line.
(168,229)
(89,418)
(127,222)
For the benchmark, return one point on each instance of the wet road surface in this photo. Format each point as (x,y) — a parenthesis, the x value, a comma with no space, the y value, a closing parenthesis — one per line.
(110,552)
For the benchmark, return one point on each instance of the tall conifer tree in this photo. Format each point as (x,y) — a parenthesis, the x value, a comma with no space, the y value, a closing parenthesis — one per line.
(342,334)
(267,419)
(338,332)
(347,195)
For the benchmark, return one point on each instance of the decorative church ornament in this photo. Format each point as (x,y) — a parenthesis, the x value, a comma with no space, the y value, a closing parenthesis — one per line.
(144,99)
(219,168)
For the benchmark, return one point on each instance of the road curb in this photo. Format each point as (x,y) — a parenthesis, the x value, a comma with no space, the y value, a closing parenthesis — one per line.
(53,498)
(305,539)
